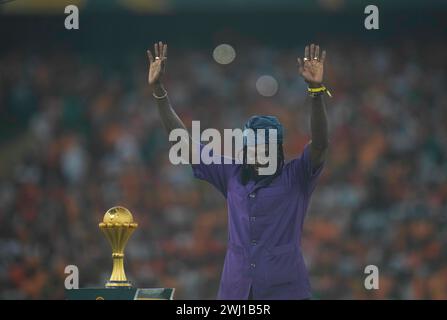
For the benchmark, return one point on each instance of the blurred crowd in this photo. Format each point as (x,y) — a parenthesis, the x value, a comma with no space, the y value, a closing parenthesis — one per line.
(90,138)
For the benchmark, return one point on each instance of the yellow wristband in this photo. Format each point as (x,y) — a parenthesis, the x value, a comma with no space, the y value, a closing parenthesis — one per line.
(322,88)
(319,89)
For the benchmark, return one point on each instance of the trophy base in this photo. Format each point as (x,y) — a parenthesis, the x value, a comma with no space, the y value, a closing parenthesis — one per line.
(121,293)
(118,284)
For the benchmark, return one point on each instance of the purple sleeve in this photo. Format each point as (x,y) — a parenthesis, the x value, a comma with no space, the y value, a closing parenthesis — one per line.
(300,171)
(217,174)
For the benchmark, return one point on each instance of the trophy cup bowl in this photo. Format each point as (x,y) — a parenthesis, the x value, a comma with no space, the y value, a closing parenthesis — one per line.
(117,226)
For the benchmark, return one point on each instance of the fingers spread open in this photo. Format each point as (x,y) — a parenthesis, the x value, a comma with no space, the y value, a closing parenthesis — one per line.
(160,49)
(156,49)
(317,52)
(150,57)
(165,51)
(323,56)
(306,53)
(300,65)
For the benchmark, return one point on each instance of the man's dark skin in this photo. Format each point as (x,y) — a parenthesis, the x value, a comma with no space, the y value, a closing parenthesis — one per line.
(310,68)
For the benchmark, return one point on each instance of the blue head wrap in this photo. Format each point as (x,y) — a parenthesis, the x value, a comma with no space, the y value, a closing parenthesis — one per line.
(263,122)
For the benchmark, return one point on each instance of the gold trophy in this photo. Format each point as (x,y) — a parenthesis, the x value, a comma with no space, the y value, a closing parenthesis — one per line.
(118,225)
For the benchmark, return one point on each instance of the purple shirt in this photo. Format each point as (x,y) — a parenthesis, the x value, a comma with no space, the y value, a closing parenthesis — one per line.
(265,225)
